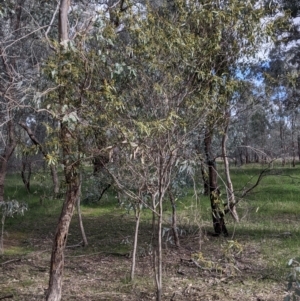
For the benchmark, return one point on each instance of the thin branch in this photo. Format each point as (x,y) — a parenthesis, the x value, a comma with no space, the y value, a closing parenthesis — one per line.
(50,25)
(33,138)
(261,175)
(10,261)
(128,192)
(24,37)
(245,192)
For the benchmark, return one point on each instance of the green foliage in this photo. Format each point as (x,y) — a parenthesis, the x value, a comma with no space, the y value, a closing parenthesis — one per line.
(9,208)
(293,278)
(170,75)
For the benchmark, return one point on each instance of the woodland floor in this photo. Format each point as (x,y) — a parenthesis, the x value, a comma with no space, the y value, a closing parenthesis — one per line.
(204,268)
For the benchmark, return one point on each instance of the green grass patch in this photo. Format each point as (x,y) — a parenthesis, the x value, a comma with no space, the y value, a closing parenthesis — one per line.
(269,231)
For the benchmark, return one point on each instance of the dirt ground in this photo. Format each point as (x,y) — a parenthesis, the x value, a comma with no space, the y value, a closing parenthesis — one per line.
(93,275)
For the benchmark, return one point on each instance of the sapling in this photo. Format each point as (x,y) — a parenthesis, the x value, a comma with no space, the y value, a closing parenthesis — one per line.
(8,209)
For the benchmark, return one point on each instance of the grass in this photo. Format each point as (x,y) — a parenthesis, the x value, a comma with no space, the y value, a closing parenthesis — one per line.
(269,233)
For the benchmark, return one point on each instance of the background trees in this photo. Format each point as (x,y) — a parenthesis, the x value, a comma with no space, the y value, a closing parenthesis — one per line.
(133,87)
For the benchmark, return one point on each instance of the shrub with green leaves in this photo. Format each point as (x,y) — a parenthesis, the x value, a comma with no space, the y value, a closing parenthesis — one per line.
(293,278)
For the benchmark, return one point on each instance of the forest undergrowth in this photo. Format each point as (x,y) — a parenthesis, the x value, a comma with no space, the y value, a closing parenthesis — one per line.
(249,264)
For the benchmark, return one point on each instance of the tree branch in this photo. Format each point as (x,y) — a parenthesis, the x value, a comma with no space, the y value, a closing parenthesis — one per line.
(33,138)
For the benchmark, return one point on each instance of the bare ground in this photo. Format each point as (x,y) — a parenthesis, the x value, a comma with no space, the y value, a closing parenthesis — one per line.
(201,269)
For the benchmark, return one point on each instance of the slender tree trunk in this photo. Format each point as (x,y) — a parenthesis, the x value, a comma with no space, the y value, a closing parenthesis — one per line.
(2,233)
(210,161)
(72,178)
(153,197)
(55,180)
(60,240)
(174,219)
(282,142)
(159,251)
(241,157)
(84,239)
(217,215)
(5,156)
(293,141)
(163,185)
(103,191)
(247,157)
(26,177)
(205,179)
(63,32)
(298,140)
(136,233)
(229,186)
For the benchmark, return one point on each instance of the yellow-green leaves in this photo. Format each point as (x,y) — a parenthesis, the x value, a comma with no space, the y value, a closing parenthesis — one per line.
(52,158)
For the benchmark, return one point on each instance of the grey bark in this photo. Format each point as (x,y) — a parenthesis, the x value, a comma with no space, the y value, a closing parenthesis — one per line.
(71,171)
(84,238)
(137,224)
(229,187)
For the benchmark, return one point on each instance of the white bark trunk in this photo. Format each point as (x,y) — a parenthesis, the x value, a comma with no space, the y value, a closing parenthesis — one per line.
(229,187)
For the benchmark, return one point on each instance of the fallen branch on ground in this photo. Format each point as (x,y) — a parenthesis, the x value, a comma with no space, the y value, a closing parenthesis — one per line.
(6,297)
(10,261)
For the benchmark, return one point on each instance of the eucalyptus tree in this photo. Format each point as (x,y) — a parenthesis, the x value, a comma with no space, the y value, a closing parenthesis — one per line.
(147,88)
(82,98)
(235,34)
(10,88)
(22,49)
(283,77)
(181,86)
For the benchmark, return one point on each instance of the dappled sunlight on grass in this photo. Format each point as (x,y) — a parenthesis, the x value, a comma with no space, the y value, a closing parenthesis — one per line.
(269,233)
